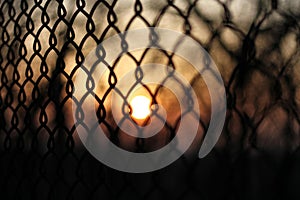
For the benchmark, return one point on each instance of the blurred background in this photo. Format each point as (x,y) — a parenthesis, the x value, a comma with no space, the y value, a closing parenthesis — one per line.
(255,45)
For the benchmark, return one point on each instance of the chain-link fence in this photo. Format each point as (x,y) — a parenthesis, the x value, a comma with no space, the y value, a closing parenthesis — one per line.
(255,45)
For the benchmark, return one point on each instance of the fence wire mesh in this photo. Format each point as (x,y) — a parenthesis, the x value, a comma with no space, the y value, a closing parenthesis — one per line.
(255,45)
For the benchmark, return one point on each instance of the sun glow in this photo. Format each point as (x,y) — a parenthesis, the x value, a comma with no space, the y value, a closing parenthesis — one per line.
(140,107)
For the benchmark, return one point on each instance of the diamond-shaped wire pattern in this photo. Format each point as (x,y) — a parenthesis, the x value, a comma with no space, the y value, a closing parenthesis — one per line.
(256,46)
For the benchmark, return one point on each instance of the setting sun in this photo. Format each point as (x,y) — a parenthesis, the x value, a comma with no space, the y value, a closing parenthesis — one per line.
(140,107)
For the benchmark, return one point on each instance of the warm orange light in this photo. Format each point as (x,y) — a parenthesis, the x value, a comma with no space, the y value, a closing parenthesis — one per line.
(140,107)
